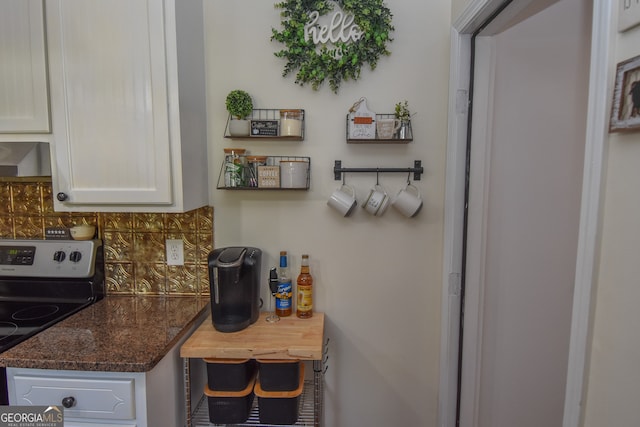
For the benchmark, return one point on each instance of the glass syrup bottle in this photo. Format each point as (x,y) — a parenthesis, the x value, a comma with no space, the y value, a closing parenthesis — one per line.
(284,304)
(304,308)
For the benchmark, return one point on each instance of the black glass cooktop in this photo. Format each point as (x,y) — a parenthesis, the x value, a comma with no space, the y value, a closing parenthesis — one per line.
(20,320)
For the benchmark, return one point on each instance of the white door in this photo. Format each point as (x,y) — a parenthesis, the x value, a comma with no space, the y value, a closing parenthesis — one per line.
(527,146)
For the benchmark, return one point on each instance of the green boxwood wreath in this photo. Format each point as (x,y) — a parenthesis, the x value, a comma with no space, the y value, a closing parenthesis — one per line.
(314,65)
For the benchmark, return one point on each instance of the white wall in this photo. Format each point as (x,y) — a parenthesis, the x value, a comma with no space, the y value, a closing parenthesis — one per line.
(614,377)
(377,279)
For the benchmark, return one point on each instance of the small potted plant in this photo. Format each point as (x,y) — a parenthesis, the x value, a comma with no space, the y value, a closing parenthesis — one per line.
(240,106)
(403,114)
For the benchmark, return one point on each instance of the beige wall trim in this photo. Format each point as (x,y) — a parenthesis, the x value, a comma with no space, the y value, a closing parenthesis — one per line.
(601,67)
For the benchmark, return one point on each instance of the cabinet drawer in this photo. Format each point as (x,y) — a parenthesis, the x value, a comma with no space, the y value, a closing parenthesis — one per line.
(94,397)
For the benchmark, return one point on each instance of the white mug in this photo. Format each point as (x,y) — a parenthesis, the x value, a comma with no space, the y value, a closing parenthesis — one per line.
(343,200)
(377,201)
(408,201)
(387,127)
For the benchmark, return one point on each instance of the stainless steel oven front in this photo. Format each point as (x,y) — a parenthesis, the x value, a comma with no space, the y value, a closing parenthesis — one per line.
(43,282)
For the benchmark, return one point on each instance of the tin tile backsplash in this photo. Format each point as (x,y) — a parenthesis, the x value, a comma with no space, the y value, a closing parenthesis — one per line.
(134,243)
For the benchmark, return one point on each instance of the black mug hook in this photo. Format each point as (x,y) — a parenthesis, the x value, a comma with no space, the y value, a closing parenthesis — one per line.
(377,176)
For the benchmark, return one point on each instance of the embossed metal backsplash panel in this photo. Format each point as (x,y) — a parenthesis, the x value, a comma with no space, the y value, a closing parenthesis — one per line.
(134,243)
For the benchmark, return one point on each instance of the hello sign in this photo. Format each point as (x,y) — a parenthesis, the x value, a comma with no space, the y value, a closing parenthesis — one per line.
(325,40)
(340,29)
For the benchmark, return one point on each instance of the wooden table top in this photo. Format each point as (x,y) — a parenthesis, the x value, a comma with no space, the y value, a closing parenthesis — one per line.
(290,338)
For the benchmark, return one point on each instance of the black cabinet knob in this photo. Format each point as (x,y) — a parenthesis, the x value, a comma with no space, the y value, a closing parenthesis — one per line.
(69,402)
(61,196)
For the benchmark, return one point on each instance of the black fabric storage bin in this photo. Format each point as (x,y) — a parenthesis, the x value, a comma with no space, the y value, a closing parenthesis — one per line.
(229,374)
(280,407)
(279,374)
(230,407)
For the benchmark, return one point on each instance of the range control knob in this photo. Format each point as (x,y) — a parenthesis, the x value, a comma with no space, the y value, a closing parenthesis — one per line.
(59,256)
(75,256)
(69,402)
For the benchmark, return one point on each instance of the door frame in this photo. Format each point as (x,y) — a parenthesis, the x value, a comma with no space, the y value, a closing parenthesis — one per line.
(600,80)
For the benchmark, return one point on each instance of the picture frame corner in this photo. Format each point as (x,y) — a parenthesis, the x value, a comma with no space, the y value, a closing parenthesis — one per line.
(625,110)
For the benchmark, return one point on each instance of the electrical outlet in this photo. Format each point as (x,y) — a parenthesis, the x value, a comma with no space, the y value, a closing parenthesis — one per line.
(175,252)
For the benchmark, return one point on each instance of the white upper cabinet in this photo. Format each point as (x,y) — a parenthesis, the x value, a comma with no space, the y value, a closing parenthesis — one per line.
(24,101)
(128,105)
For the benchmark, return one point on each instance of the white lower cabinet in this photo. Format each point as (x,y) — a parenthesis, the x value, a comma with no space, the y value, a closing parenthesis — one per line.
(84,395)
(94,398)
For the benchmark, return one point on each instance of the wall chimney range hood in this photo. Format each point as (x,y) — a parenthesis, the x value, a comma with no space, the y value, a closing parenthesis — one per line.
(19,159)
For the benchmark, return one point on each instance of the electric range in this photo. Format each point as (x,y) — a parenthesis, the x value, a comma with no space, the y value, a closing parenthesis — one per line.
(43,282)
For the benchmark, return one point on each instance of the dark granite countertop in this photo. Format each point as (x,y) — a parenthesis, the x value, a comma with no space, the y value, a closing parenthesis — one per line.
(117,334)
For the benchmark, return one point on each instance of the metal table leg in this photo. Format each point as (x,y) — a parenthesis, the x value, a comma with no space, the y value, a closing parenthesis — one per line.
(317,391)
(187,391)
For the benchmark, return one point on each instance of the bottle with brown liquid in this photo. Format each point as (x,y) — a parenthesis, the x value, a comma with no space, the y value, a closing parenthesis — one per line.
(284,303)
(304,309)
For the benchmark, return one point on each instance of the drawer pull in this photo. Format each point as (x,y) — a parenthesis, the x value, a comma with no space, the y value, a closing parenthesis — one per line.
(69,402)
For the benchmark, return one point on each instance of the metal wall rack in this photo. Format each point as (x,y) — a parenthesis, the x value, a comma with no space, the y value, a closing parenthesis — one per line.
(417,170)
(404,136)
(251,181)
(269,116)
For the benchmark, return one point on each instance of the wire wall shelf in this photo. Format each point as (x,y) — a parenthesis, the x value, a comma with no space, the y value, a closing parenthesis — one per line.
(264,173)
(268,123)
(402,135)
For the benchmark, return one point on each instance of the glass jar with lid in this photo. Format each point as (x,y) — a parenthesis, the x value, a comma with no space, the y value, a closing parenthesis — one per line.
(234,162)
(254,162)
(291,122)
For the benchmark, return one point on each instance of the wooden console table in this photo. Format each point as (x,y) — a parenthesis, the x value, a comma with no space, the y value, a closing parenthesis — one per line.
(290,338)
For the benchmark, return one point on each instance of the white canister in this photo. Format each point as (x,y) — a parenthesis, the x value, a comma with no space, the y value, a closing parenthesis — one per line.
(290,123)
(294,173)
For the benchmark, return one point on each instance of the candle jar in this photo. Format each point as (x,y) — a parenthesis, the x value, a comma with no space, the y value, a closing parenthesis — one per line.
(290,122)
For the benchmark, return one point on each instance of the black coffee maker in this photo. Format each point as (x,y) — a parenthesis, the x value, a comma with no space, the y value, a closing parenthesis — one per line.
(234,282)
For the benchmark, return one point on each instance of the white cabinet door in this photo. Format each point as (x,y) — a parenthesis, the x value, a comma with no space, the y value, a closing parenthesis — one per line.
(119,137)
(94,398)
(24,100)
(107,67)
